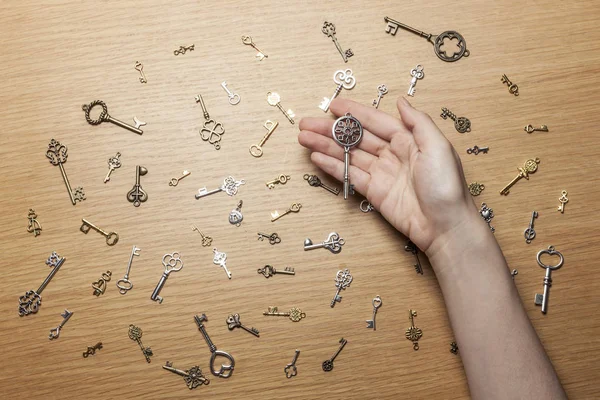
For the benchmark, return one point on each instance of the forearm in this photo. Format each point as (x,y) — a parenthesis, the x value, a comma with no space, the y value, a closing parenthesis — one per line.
(501,352)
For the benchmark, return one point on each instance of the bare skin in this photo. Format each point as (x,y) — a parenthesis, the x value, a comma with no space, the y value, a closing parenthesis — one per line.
(409,171)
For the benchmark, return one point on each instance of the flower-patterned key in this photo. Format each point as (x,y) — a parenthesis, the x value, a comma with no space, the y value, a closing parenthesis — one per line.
(32,300)
(57,154)
(135,334)
(193,377)
(347,131)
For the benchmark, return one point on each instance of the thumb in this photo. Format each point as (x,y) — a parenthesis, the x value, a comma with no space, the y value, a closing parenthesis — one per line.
(425,132)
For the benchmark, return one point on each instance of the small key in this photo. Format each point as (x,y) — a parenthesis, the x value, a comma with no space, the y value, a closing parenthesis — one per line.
(475,188)
(514,273)
(137,195)
(512,88)
(413,333)
(273,238)
(268,271)
(220,259)
(417,74)
(290,369)
(57,154)
(113,163)
(100,285)
(333,243)
(230,187)
(104,117)
(91,350)
(140,68)
(376,304)
(233,321)
(135,334)
(295,314)
(183,49)
(234,98)
(225,370)
(366,207)
(412,248)
(343,279)
(171,262)
(294,208)
(487,214)
(206,240)
(34,226)
(193,377)
(111,237)
(315,181)
(31,301)
(273,99)
(235,216)
(125,284)
(563,200)
(530,232)
(328,364)
(329,30)
(531,129)
(344,80)
(256,149)
(476,150)
(247,40)
(281,179)
(175,181)
(461,124)
(381,91)
(542,300)
(54,333)
(212,130)
(530,167)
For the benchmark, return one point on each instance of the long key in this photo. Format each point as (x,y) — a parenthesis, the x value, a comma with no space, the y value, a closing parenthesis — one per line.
(268,271)
(172,263)
(256,149)
(193,377)
(273,238)
(233,321)
(315,181)
(273,99)
(376,304)
(125,284)
(417,74)
(294,208)
(32,300)
(381,91)
(111,237)
(113,163)
(220,259)
(295,314)
(175,181)
(54,333)
(247,40)
(226,369)
(290,369)
(563,200)
(542,300)
(104,117)
(206,240)
(347,131)
(343,279)
(328,364)
(234,98)
(344,80)
(333,243)
(281,179)
(135,334)
(411,247)
(530,232)
(329,30)
(413,333)
(230,186)
(57,154)
(529,168)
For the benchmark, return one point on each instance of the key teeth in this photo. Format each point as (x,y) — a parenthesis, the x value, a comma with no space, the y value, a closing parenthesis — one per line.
(324,104)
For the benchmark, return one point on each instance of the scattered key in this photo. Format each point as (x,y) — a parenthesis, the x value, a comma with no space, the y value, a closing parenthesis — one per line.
(137,195)
(542,300)
(206,240)
(530,232)
(135,334)
(230,186)
(376,304)
(487,214)
(531,129)
(281,179)
(476,150)
(175,181)
(183,50)
(140,67)
(233,321)
(381,91)
(111,237)
(100,285)
(226,370)
(234,98)
(172,263)
(104,117)
(32,300)
(212,130)
(125,284)
(256,149)
(193,377)
(274,100)
(412,248)
(344,80)
(475,188)
(563,200)
(92,350)
(273,238)
(113,163)
(512,88)
(247,40)
(295,314)
(290,369)
(461,124)
(329,31)
(417,74)
(34,226)
(220,259)
(347,131)
(343,279)
(294,208)
(413,333)
(315,181)
(57,154)
(529,168)
(235,216)
(55,333)
(328,364)
(268,271)
(366,207)
(333,243)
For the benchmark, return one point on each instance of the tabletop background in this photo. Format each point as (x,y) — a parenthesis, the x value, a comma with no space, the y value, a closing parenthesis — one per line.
(59,55)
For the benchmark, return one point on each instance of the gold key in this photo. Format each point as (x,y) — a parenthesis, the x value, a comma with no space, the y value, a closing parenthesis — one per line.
(175,181)
(563,200)
(247,40)
(282,179)
(256,149)
(274,99)
(294,208)
(206,240)
(295,314)
(57,154)
(529,167)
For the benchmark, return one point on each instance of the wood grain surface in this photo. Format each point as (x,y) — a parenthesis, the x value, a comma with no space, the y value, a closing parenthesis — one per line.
(59,55)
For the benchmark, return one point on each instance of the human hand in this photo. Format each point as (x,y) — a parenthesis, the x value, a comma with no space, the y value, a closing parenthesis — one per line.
(406,168)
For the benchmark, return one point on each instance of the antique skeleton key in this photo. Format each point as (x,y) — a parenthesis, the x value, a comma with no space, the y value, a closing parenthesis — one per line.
(34,226)
(344,80)
(290,369)
(104,117)
(295,314)
(542,300)
(315,181)
(137,195)
(530,232)
(31,301)
(171,265)
(563,200)
(417,74)
(329,30)
(55,333)
(343,279)
(376,304)
(57,154)
(247,40)
(333,243)
(230,187)
(206,240)
(111,237)
(256,149)
(125,284)
(328,364)
(411,247)
(273,238)
(268,271)
(135,334)
(529,167)
(294,208)
(226,369)
(212,130)
(113,163)
(347,131)
(413,333)
(220,259)
(281,179)
(193,377)
(234,98)
(461,124)
(233,321)
(381,91)
(274,99)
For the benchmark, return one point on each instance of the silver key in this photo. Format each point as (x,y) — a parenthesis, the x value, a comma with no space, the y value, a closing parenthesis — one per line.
(328,364)
(333,243)
(113,163)
(225,370)
(411,247)
(376,304)
(233,321)
(54,333)
(290,369)
(344,80)
(220,259)
(542,300)
(381,91)
(417,74)
(230,186)
(343,279)
(347,131)
(125,284)
(274,99)
(315,181)
(234,98)
(171,262)
(530,232)
(329,30)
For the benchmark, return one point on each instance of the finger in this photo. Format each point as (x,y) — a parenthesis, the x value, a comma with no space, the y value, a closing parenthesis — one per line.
(377,122)
(426,133)
(326,145)
(369,143)
(334,167)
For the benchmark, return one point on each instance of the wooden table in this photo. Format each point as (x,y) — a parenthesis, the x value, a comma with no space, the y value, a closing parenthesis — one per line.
(58,56)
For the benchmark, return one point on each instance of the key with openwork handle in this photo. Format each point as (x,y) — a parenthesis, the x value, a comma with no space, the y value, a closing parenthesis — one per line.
(268,271)
(230,187)
(315,181)
(274,99)
(125,284)
(343,279)
(295,314)
(333,243)
(135,334)
(233,321)
(111,237)
(530,232)
(113,163)
(281,179)
(55,333)
(542,300)
(57,154)
(344,80)
(273,238)
(193,377)
(31,301)
(563,200)
(247,40)
(290,369)
(413,333)
(256,149)
(329,31)
(294,208)
(529,167)
(104,117)
(172,263)
(225,370)
(328,364)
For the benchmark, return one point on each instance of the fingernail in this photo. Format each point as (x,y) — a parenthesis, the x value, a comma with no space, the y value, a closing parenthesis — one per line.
(406,103)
